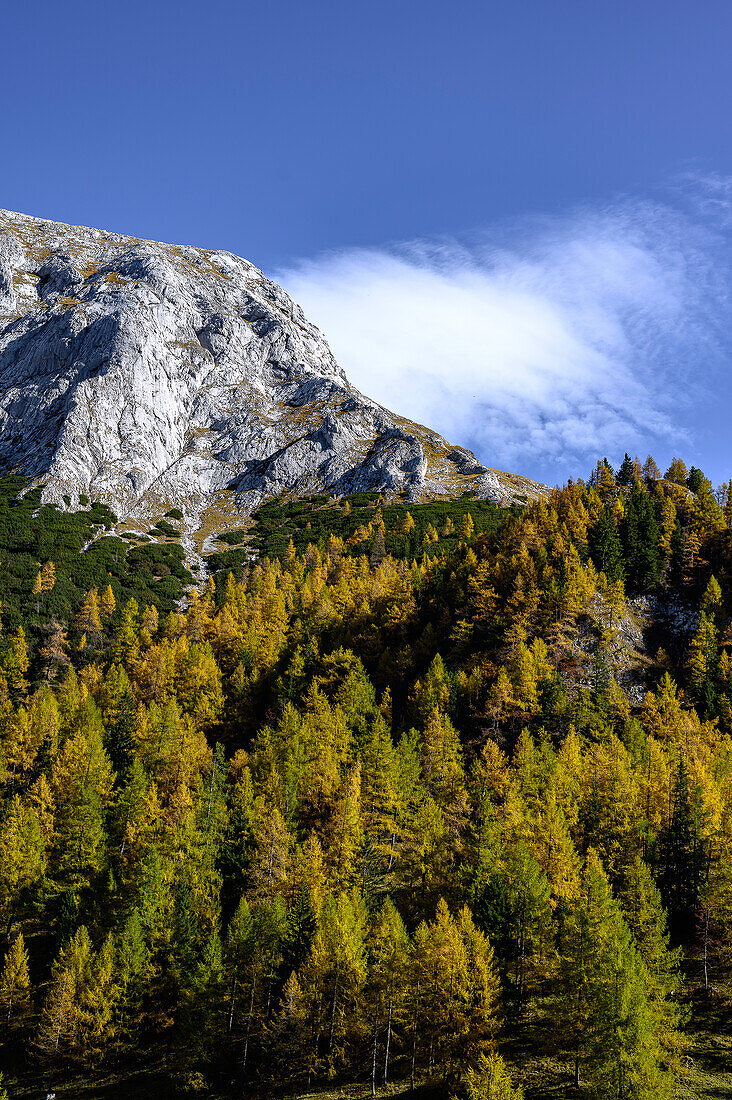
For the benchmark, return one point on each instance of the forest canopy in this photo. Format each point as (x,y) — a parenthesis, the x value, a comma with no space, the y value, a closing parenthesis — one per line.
(436,795)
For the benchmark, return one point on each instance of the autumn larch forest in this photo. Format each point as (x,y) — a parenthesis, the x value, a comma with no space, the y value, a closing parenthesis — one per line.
(431,797)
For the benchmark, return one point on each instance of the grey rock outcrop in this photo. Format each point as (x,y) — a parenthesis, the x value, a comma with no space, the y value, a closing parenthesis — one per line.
(149,375)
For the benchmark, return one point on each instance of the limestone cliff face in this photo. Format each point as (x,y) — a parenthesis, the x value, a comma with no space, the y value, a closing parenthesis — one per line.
(149,375)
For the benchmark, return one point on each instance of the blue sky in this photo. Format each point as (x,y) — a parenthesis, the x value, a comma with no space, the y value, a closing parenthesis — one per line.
(512,219)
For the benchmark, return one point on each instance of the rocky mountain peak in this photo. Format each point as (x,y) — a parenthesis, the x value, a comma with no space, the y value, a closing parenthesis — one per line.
(149,375)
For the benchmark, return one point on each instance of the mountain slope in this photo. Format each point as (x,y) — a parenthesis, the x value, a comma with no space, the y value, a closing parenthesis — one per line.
(146,375)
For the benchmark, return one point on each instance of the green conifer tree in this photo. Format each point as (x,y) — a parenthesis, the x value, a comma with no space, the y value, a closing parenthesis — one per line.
(607,1010)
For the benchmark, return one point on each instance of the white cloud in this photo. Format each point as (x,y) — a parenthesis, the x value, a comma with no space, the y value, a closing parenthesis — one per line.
(542,347)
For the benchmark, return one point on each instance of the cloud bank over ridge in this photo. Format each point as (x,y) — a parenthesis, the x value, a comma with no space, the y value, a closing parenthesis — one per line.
(543,345)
